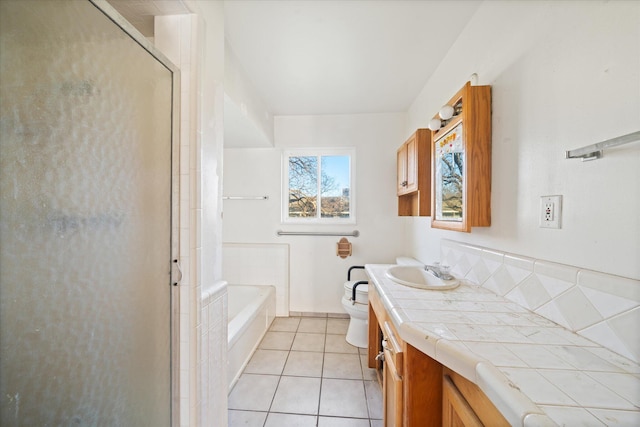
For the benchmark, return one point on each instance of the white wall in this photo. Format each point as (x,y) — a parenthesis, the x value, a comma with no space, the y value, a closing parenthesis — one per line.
(563,75)
(259,264)
(247,120)
(316,273)
(210,139)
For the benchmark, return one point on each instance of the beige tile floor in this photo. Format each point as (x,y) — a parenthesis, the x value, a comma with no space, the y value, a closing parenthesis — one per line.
(303,374)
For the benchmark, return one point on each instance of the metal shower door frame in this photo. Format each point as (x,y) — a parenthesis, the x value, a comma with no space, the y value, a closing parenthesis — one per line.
(108,10)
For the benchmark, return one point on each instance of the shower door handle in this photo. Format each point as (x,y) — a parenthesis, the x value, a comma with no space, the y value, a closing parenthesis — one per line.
(176,263)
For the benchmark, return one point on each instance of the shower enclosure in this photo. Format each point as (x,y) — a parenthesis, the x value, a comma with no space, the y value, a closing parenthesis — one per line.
(86,122)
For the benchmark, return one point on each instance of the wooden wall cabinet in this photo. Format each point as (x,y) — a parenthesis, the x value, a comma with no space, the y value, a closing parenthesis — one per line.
(414,175)
(461,163)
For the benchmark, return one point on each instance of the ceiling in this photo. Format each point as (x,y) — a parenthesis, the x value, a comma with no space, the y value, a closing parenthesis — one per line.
(330,56)
(342,56)
(140,13)
(309,57)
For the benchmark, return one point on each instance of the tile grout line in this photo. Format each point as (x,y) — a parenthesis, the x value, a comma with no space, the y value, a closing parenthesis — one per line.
(323,365)
(324,348)
(280,376)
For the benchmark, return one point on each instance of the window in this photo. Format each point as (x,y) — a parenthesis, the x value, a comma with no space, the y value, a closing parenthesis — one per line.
(318,186)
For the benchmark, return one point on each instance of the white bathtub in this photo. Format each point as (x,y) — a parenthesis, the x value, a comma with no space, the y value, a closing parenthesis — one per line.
(251,311)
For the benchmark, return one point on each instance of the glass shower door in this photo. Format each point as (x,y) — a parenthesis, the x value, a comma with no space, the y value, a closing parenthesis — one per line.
(85,214)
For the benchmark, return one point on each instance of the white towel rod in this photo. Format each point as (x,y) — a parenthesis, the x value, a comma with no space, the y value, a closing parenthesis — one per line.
(245,197)
(354,233)
(594,151)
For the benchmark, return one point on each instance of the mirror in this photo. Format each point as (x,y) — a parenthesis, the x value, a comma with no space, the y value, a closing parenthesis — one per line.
(449,176)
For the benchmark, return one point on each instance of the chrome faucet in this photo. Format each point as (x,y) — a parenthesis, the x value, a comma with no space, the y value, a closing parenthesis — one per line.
(441,272)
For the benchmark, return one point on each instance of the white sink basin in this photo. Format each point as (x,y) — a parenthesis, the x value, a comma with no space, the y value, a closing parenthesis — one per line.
(418,277)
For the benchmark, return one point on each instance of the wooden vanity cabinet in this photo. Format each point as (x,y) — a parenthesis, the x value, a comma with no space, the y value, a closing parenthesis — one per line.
(456,411)
(414,175)
(411,381)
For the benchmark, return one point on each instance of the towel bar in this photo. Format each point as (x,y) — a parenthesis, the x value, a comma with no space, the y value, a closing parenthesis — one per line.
(354,233)
(594,151)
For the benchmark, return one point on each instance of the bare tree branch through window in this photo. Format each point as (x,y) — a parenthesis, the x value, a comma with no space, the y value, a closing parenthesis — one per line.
(317,182)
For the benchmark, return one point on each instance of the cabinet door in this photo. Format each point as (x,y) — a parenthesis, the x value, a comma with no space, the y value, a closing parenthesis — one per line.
(412,165)
(392,393)
(461,162)
(414,175)
(464,404)
(402,170)
(456,411)
(408,167)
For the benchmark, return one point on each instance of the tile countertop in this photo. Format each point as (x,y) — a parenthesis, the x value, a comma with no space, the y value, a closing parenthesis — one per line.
(536,372)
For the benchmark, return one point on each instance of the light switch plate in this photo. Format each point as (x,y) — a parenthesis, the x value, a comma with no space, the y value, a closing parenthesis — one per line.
(551,212)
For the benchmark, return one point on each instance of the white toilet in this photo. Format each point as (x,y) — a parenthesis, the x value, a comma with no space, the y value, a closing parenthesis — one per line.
(358,332)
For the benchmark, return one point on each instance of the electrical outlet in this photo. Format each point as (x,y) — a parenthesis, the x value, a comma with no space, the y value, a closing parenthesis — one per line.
(550,212)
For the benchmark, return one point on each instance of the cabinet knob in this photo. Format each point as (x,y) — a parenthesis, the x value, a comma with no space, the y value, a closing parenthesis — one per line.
(404,183)
(380,356)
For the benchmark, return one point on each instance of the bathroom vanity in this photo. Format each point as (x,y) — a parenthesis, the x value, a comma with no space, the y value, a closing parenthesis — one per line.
(418,390)
(469,357)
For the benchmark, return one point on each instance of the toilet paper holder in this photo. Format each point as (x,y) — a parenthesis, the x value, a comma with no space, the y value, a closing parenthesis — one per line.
(343,248)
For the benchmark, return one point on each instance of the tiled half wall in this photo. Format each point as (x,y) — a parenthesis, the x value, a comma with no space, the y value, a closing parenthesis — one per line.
(601,307)
(213,354)
(259,264)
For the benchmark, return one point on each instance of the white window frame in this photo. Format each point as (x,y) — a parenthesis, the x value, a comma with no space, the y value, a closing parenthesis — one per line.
(318,152)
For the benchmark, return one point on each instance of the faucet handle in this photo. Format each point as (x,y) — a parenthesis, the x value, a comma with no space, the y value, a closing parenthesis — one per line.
(445,272)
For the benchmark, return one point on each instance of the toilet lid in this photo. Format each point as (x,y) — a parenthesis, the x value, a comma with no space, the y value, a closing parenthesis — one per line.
(362,290)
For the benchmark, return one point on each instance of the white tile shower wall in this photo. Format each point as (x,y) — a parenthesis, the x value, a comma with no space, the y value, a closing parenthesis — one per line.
(213,355)
(176,37)
(259,264)
(601,307)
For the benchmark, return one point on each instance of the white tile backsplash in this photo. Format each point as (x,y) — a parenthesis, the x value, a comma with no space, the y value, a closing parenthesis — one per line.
(530,294)
(607,304)
(560,272)
(552,312)
(577,309)
(614,285)
(601,307)
(619,333)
